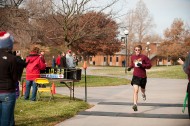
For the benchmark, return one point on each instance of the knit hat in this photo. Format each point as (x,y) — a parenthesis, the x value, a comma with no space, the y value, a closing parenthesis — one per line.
(69,51)
(6,40)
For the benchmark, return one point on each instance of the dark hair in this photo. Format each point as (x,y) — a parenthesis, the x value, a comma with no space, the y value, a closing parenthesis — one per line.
(35,49)
(14,53)
(138,46)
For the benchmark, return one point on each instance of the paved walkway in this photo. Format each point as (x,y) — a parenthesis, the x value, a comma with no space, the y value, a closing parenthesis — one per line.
(113,105)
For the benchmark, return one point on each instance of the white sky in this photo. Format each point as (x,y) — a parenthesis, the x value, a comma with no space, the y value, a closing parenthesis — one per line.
(163,11)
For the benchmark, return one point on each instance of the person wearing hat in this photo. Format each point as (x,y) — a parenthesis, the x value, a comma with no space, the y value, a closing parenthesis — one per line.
(35,63)
(8,79)
(70,60)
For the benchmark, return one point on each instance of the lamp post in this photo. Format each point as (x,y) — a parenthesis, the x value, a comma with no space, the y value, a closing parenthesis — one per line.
(148,49)
(126,32)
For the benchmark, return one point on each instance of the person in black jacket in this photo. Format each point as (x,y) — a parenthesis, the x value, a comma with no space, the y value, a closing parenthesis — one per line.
(8,78)
(63,60)
(21,64)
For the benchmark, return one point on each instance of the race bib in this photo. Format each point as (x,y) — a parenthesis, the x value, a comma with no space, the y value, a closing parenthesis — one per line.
(136,62)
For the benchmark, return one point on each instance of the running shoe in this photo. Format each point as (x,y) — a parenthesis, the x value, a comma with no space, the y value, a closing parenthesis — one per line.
(144,97)
(135,107)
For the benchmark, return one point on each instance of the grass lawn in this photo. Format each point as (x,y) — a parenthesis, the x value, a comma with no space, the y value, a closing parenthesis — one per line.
(44,113)
(95,81)
(174,72)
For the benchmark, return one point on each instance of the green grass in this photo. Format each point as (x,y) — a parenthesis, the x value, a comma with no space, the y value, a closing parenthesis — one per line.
(173,72)
(44,113)
(95,81)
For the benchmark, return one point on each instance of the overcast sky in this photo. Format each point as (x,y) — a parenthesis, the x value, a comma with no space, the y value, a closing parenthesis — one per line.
(163,11)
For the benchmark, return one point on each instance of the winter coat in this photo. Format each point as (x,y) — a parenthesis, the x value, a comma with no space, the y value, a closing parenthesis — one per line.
(63,62)
(8,72)
(70,61)
(21,64)
(186,66)
(58,60)
(35,63)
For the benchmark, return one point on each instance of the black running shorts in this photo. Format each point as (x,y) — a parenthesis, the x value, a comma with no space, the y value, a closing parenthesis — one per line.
(139,81)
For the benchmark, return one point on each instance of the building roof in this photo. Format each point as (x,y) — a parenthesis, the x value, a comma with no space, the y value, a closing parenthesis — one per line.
(152,56)
(121,52)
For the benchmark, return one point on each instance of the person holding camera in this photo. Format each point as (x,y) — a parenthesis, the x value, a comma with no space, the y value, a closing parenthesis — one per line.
(140,63)
(21,64)
(8,78)
(35,63)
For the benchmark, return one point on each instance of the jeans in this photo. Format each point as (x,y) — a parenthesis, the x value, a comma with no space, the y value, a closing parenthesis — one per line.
(7,105)
(34,90)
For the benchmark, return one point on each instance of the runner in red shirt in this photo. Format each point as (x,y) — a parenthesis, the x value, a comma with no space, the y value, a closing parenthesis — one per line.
(140,63)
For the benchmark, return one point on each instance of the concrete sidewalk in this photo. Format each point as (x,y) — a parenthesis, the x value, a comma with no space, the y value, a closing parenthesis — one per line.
(113,105)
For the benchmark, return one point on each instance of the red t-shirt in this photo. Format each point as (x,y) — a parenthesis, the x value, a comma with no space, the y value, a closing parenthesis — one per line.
(146,64)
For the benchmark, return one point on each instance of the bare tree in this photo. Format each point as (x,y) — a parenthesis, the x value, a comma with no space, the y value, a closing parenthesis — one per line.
(139,22)
(69,14)
(10,3)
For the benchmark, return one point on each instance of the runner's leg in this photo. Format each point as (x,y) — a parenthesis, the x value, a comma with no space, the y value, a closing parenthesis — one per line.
(135,93)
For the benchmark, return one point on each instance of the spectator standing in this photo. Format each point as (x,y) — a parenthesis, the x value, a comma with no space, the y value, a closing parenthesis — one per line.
(140,63)
(8,78)
(20,66)
(186,69)
(70,65)
(63,60)
(58,60)
(35,63)
(53,62)
(75,60)
(70,60)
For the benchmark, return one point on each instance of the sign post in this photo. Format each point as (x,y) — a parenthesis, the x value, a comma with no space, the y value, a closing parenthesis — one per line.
(85,67)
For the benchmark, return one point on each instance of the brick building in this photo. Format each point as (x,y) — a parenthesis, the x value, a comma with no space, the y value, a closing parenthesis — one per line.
(118,59)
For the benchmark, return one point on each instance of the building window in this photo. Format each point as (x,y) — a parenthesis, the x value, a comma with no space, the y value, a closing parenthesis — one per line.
(160,59)
(104,59)
(90,58)
(110,59)
(117,59)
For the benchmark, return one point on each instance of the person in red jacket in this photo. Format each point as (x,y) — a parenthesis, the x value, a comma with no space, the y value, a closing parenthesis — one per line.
(140,63)
(58,60)
(35,63)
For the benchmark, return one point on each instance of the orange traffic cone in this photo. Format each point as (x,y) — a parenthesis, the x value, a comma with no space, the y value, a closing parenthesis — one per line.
(24,88)
(53,88)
